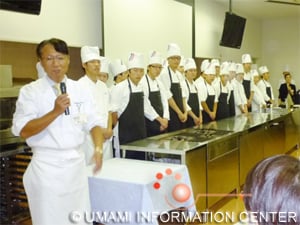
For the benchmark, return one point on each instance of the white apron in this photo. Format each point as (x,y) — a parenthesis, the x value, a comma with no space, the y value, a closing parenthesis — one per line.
(56,185)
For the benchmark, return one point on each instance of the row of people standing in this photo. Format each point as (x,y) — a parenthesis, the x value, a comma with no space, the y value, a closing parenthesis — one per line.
(162,99)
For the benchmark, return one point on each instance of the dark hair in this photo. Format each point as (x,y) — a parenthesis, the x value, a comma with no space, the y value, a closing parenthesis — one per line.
(286,75)
(59,45)
(274,186)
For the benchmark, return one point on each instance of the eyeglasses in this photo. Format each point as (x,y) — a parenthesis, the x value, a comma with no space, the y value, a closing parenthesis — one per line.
(59,58)
(175,58)
(156,67)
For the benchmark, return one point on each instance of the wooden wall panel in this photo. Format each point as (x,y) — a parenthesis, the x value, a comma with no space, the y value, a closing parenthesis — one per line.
(23,59)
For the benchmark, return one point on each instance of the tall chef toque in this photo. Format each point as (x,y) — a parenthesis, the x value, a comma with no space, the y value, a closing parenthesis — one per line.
(216,62)
(189,64)
(204,65)
(155,58)
(104,65)
(117,67)
(263,69)
(89,53)
(211,69)
(239,68)
(135,60)
(224,68)
(246,58)
(173,50)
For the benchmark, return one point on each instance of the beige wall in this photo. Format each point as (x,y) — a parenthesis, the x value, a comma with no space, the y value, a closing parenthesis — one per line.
(209,20)
(281,47)
(78,22)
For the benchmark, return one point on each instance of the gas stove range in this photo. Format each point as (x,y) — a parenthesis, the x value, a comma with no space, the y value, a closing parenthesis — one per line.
(198,135)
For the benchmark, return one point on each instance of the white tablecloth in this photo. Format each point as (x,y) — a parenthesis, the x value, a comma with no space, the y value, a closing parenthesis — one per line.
(123,191)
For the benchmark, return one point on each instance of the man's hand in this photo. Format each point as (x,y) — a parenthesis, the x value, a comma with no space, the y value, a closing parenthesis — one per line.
(97,159)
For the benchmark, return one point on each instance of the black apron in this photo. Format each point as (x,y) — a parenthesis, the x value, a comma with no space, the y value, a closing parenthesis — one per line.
(223,106)
(175,123)
(153,127)
(193,102)
(132,123)
(210,100)
(247,87)
(231,104)
(269,93)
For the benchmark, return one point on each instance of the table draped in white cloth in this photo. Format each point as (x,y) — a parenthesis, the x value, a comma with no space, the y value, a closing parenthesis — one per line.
(136,192)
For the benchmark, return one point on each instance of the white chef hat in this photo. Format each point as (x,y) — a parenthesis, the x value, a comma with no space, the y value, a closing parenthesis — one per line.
(173,50)
(135,60)
(263,69)
(104,65)
(232,67)
(40,70)
(239,68)
(254,73)
(224,68)
(189,64)
(216,62)
(182,61)
(165,63)
(204,64)
(117,67)
(155,58)
(210,69)
(246,58)
(89,53)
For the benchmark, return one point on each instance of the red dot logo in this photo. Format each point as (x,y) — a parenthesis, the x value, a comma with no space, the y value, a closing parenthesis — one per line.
(181,192)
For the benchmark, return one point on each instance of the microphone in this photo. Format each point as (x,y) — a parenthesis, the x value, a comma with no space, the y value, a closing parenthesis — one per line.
(63,89)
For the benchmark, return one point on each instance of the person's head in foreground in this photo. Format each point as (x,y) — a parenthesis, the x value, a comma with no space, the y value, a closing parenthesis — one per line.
(272,191)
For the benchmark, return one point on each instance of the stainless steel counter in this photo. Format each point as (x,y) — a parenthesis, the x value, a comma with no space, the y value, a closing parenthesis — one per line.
(219,163)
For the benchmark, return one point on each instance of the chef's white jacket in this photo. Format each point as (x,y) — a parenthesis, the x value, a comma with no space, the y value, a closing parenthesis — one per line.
(206,89)
(258,99)
(263,85)
(239,95)
(66,131)
(219,88)
(157,85)
(120,98)
(194,89)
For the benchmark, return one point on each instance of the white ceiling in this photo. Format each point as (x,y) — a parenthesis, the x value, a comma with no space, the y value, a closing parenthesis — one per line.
(261,9)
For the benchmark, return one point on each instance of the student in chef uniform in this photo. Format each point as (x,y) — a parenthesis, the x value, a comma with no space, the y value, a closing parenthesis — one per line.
(200,79)
(157,94)
(258,101)
(223,92)
(53,125)
(264,85)
(217,64)
(104,70)
(240,99)
(173,81)
(232,74)
(130,107)
(195,114)
(247,82)
(91,63)
(120,73)
(119,70)
(208,97)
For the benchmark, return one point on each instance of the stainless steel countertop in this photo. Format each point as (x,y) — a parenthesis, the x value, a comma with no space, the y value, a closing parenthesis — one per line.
(236,125)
